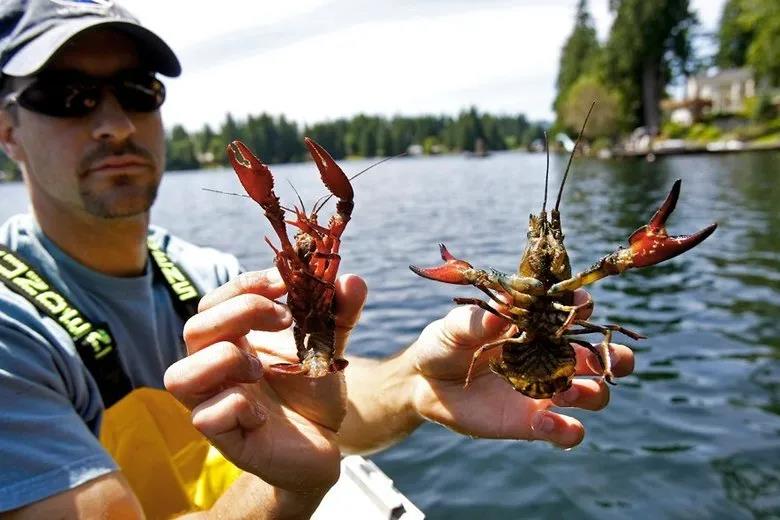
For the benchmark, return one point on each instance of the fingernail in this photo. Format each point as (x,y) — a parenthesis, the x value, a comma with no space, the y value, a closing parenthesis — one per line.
(542,423)
(255,366)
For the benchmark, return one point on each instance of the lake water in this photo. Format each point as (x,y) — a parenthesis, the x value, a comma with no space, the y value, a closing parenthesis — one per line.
(694,433)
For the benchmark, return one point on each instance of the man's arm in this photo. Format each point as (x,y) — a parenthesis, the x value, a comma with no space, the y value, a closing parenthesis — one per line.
(110,496)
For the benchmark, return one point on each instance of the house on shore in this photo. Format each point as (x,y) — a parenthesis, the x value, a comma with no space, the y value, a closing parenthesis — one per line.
(723,92)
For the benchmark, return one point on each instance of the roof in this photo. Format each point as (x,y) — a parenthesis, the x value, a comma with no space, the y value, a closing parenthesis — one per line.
(725,77)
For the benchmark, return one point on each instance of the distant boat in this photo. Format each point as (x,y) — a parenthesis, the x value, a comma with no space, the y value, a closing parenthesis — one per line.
(565,141)
(480,149)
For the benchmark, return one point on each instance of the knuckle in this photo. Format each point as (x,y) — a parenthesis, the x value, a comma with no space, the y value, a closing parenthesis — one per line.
(238,400)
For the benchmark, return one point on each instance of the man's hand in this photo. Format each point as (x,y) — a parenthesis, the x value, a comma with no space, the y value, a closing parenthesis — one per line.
(490,407)
(281,428)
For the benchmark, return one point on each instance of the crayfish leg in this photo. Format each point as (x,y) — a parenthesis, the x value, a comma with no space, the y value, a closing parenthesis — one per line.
(482,305)
(602,356)
(572,310)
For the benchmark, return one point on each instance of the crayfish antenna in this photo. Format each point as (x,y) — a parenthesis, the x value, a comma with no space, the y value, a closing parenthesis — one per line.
(546,171)
(576,144)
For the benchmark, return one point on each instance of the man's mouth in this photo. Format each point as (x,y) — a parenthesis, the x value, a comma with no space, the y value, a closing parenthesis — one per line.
(126,164)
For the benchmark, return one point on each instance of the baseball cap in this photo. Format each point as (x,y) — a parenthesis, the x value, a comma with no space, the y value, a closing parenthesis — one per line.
(32,31)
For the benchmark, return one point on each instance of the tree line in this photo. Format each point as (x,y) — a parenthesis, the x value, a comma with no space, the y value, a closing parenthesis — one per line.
(650,45)
(279,140)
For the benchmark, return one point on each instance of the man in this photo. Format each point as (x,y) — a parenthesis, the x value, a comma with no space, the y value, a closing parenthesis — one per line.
(89,323)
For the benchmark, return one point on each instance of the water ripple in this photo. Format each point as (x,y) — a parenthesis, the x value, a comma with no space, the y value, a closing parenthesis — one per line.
(702,411)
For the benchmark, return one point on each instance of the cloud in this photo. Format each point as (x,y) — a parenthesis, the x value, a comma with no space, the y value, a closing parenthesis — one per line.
(316,59)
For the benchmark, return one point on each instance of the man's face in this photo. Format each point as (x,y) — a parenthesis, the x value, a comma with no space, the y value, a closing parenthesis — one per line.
(107,163)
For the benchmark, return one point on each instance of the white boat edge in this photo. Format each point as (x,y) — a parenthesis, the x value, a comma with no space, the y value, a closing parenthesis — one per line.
(364,491)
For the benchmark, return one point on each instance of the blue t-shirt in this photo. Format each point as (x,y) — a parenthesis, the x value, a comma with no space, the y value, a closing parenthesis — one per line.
(50,406)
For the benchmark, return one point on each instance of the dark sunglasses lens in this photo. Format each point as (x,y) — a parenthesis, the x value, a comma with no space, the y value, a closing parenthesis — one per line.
(60,99)
(74,97)
(142,94)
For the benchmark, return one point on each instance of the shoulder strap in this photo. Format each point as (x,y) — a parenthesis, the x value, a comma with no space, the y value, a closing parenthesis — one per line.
(184,293)
(94,341)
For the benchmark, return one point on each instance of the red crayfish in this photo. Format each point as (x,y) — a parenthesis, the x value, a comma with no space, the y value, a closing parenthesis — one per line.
(309,265)
(537,359)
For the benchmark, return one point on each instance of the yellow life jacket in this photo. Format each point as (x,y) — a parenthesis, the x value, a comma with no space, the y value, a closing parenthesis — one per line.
(170,466)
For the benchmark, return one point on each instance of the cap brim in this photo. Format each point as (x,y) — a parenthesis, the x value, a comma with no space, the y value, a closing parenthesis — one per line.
(155,53)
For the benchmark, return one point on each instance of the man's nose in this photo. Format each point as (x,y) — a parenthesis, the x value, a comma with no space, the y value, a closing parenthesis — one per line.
(111,122)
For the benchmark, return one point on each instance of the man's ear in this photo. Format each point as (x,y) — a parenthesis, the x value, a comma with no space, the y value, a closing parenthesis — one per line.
(8,142)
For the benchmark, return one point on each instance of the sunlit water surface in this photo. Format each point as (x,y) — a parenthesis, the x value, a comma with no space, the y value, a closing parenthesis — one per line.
(693,433)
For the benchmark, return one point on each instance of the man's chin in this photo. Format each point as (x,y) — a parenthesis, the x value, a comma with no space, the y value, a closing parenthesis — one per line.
(120,203)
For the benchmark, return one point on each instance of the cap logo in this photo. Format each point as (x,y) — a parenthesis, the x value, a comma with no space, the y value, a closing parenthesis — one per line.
(84,3)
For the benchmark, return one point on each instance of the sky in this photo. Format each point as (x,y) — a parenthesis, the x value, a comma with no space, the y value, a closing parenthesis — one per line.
(317,60)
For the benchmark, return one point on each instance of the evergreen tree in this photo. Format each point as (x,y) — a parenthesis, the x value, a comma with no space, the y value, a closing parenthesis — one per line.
(647,41)
(180,151)
(580,53)
(733,37)
(762,19)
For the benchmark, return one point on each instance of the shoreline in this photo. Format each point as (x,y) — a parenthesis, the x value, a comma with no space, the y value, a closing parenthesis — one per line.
(666,148)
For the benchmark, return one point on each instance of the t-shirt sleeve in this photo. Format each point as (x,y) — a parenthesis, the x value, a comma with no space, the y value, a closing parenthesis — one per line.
(49,412)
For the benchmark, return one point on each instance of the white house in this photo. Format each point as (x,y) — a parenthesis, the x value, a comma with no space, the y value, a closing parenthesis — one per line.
(725,89)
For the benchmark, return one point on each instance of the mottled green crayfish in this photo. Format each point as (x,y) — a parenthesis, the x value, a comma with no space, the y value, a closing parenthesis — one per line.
(537,357)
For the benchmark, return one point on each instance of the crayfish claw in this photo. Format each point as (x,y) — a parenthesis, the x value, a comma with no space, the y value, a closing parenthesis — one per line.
(659,218)
(254,175)
(331,173)
(649,247)
(651,244)
(452,271)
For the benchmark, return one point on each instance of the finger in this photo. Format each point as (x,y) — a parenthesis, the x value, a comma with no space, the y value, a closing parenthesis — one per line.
(198,377)
(230,412)
(588,394)
(582,297)
(234,318)
(467,327)
(621,358)
(266,283)
(561,430)
(351,292)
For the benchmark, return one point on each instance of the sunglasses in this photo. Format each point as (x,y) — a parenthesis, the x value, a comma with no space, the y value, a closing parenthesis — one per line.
(74,94)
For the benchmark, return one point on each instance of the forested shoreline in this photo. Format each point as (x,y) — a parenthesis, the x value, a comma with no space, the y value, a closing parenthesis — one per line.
(278,140)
